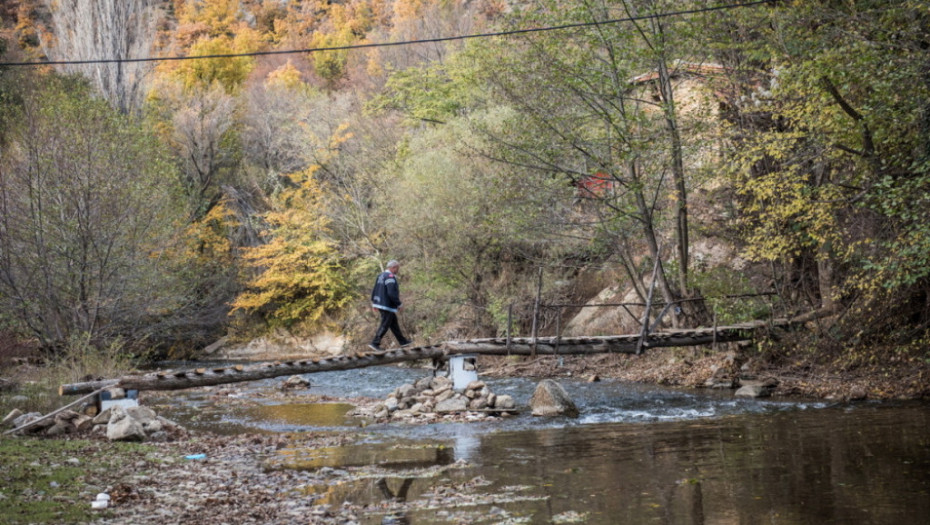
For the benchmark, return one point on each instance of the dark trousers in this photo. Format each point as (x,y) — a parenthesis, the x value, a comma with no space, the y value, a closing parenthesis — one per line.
(389,322)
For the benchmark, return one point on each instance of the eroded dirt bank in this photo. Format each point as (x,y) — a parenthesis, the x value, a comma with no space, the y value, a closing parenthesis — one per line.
(895,379)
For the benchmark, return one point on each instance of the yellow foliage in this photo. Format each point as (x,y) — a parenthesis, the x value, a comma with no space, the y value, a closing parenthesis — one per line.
(286,76)
(331,65)
(208,240)
(299,275)
(410,9)
(231,73)
(786,211)
(220,16)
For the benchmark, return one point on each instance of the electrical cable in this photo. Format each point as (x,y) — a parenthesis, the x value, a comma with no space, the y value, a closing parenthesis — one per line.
(387,44)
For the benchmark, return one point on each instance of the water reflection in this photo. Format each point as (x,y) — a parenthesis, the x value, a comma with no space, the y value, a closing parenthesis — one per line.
(389,456)
(637,455)
(832,466)
(466,446)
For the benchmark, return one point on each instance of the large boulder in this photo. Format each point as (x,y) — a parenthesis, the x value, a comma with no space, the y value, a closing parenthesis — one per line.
(550,399)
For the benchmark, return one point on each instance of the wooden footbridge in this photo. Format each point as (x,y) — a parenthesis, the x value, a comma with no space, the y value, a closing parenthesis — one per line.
(529,346)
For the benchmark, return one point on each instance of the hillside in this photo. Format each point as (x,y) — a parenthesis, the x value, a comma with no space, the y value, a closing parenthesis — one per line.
(223,170)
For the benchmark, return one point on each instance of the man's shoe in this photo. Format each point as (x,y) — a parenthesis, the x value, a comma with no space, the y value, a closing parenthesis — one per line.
(406,344)
(374,347)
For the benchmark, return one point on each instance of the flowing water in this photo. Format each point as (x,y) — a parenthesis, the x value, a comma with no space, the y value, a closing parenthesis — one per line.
(637,454)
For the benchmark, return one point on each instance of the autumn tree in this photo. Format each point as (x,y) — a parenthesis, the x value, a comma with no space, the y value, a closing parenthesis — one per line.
(207,28)
(297,274)
(201,126)
(830,160)
(275,125)
(86,205)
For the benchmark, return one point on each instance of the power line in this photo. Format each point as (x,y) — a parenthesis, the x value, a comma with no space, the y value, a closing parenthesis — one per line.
(390,44)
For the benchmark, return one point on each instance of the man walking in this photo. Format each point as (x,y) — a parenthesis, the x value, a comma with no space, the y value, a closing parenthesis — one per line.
(385,297)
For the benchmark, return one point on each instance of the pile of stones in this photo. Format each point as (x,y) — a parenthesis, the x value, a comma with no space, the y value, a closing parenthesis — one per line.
(435,396)
(134,423)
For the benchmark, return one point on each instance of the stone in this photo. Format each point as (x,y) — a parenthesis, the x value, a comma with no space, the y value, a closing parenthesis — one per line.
(30,417)
(102,418)
(475,385)
(82,423)
(423,383)
(59,428)
(453,404)
(123,427)
(66,415)
(391,404)
(753,391)
(768,382)
(406,390)
(550,399)
(504,402)
(479,403)
(15,413)
(445,394)
(440,382)
(492,400)
(295,382)
(161,436)
(720,383)
(144,415)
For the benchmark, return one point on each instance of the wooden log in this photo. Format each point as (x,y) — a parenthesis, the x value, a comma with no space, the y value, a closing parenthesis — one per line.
(175,380)
(189,379)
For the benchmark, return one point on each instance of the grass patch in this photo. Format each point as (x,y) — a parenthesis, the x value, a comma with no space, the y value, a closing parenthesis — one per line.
(55,481)
(35,387)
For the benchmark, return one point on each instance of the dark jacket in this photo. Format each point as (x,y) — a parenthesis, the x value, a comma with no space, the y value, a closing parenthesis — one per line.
(386,294)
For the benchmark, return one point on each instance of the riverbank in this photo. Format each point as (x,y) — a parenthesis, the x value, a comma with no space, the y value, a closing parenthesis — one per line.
(56,480)
(902,378)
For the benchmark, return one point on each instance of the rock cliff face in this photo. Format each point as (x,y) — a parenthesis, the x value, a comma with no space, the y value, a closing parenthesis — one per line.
(607,320)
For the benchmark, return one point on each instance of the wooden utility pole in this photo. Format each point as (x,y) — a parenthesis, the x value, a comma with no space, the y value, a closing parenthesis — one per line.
(645,328)
(536,309)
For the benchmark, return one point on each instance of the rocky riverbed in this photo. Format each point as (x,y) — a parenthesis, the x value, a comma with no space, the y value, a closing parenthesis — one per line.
(192,477)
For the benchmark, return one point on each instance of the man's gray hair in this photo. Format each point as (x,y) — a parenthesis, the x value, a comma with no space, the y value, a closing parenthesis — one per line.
(392,263)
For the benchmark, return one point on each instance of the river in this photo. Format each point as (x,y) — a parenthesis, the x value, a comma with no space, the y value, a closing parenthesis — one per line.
(637,454)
